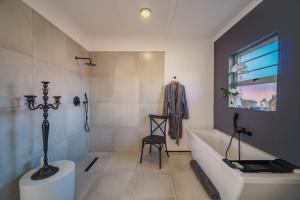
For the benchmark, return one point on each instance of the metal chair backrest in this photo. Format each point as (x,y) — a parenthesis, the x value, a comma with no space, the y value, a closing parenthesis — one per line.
(158,122)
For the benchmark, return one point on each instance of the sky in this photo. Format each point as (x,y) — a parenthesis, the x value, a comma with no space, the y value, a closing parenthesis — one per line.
(258,92)
(270,61)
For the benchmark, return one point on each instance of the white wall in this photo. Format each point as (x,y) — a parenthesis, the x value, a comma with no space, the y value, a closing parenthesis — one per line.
(190,60)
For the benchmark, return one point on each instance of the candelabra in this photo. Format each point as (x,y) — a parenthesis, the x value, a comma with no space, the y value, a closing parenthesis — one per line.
(46,170)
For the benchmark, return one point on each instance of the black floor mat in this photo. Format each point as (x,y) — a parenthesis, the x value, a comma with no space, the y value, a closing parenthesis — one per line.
(204,180)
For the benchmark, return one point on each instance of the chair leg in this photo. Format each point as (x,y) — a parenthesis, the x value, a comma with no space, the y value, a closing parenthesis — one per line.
(150,149)
(160,156)
(167,149)
(142,152)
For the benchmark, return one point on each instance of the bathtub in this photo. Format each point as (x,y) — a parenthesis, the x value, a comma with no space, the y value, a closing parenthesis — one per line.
(208,147)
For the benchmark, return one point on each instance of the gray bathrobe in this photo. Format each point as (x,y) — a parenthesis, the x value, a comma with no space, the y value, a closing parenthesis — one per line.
(175,106)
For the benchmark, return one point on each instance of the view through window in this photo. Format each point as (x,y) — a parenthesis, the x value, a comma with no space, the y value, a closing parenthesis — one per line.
(253,76)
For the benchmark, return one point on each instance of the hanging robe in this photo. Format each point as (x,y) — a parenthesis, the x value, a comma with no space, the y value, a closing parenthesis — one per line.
(175,106)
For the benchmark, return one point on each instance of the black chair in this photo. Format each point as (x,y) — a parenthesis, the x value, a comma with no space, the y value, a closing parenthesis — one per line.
(157,124)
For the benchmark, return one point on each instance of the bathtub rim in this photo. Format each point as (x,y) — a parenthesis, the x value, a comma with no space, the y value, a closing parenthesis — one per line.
(288,178)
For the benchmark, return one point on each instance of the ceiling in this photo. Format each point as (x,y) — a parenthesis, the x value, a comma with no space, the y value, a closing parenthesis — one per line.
(100,19)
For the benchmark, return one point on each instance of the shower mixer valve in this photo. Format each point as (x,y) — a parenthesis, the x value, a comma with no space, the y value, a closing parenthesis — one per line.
(237,129)
(241,130)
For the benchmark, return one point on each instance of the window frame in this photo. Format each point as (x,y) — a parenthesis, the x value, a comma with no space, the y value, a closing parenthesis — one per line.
(235,59)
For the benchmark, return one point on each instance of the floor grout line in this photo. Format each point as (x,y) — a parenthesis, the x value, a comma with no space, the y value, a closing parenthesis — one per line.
(173,181)
(132,193)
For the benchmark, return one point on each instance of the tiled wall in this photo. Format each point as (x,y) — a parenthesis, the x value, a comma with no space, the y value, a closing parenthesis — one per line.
(125,88)
(33,50)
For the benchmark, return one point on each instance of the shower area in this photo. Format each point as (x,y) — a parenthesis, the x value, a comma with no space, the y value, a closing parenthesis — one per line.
(125,87)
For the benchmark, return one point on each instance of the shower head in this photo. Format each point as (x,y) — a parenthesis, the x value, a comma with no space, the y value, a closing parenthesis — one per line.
(89,63)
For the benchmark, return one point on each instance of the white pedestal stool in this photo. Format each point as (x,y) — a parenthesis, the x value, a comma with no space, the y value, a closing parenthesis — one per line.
(60,186)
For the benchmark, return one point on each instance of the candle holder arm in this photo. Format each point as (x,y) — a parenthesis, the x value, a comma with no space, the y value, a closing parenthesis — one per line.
(53,106)
(32,107)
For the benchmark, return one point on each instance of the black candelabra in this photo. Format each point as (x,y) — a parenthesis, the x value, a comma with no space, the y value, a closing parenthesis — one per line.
(46,170)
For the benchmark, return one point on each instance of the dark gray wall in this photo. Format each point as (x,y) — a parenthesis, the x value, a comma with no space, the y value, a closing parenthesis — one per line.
(278,132)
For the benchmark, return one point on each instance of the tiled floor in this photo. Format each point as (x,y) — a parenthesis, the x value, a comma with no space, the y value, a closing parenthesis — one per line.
(119,176)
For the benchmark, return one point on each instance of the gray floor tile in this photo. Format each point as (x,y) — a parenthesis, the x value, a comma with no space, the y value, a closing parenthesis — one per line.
(112,185)
(153,186)
(120,176)
(187,187)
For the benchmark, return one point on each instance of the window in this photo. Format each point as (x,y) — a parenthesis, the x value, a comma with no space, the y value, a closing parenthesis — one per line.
(253,76)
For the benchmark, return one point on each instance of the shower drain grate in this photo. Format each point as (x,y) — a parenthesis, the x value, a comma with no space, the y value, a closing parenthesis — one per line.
(91,164)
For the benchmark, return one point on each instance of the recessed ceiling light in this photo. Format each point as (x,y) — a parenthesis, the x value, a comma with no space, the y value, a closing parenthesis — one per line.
(145,12)
(148,55)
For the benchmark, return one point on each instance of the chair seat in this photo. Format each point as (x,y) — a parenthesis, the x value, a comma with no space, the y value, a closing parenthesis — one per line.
(157,123)
(154,139)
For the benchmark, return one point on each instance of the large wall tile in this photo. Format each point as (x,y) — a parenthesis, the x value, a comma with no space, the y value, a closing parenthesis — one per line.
(9,187)
(114,89)
(125,139)
(15,78)
(37,158)
(126,89)
(151,89)
(106,64)
(9,190)
(59,151)
(16,26)
(126,115)
(75,85)
(102,89)
(78,146)
(115,64)
(75,119)
(49,43)
(151,63)
(101,139)
(102,114)
(16,134)
(126,64)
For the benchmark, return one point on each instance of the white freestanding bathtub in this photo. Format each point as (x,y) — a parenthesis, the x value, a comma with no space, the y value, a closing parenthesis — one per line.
(208,148)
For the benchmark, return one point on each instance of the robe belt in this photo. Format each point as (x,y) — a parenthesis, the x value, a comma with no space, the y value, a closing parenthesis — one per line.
(175,114)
